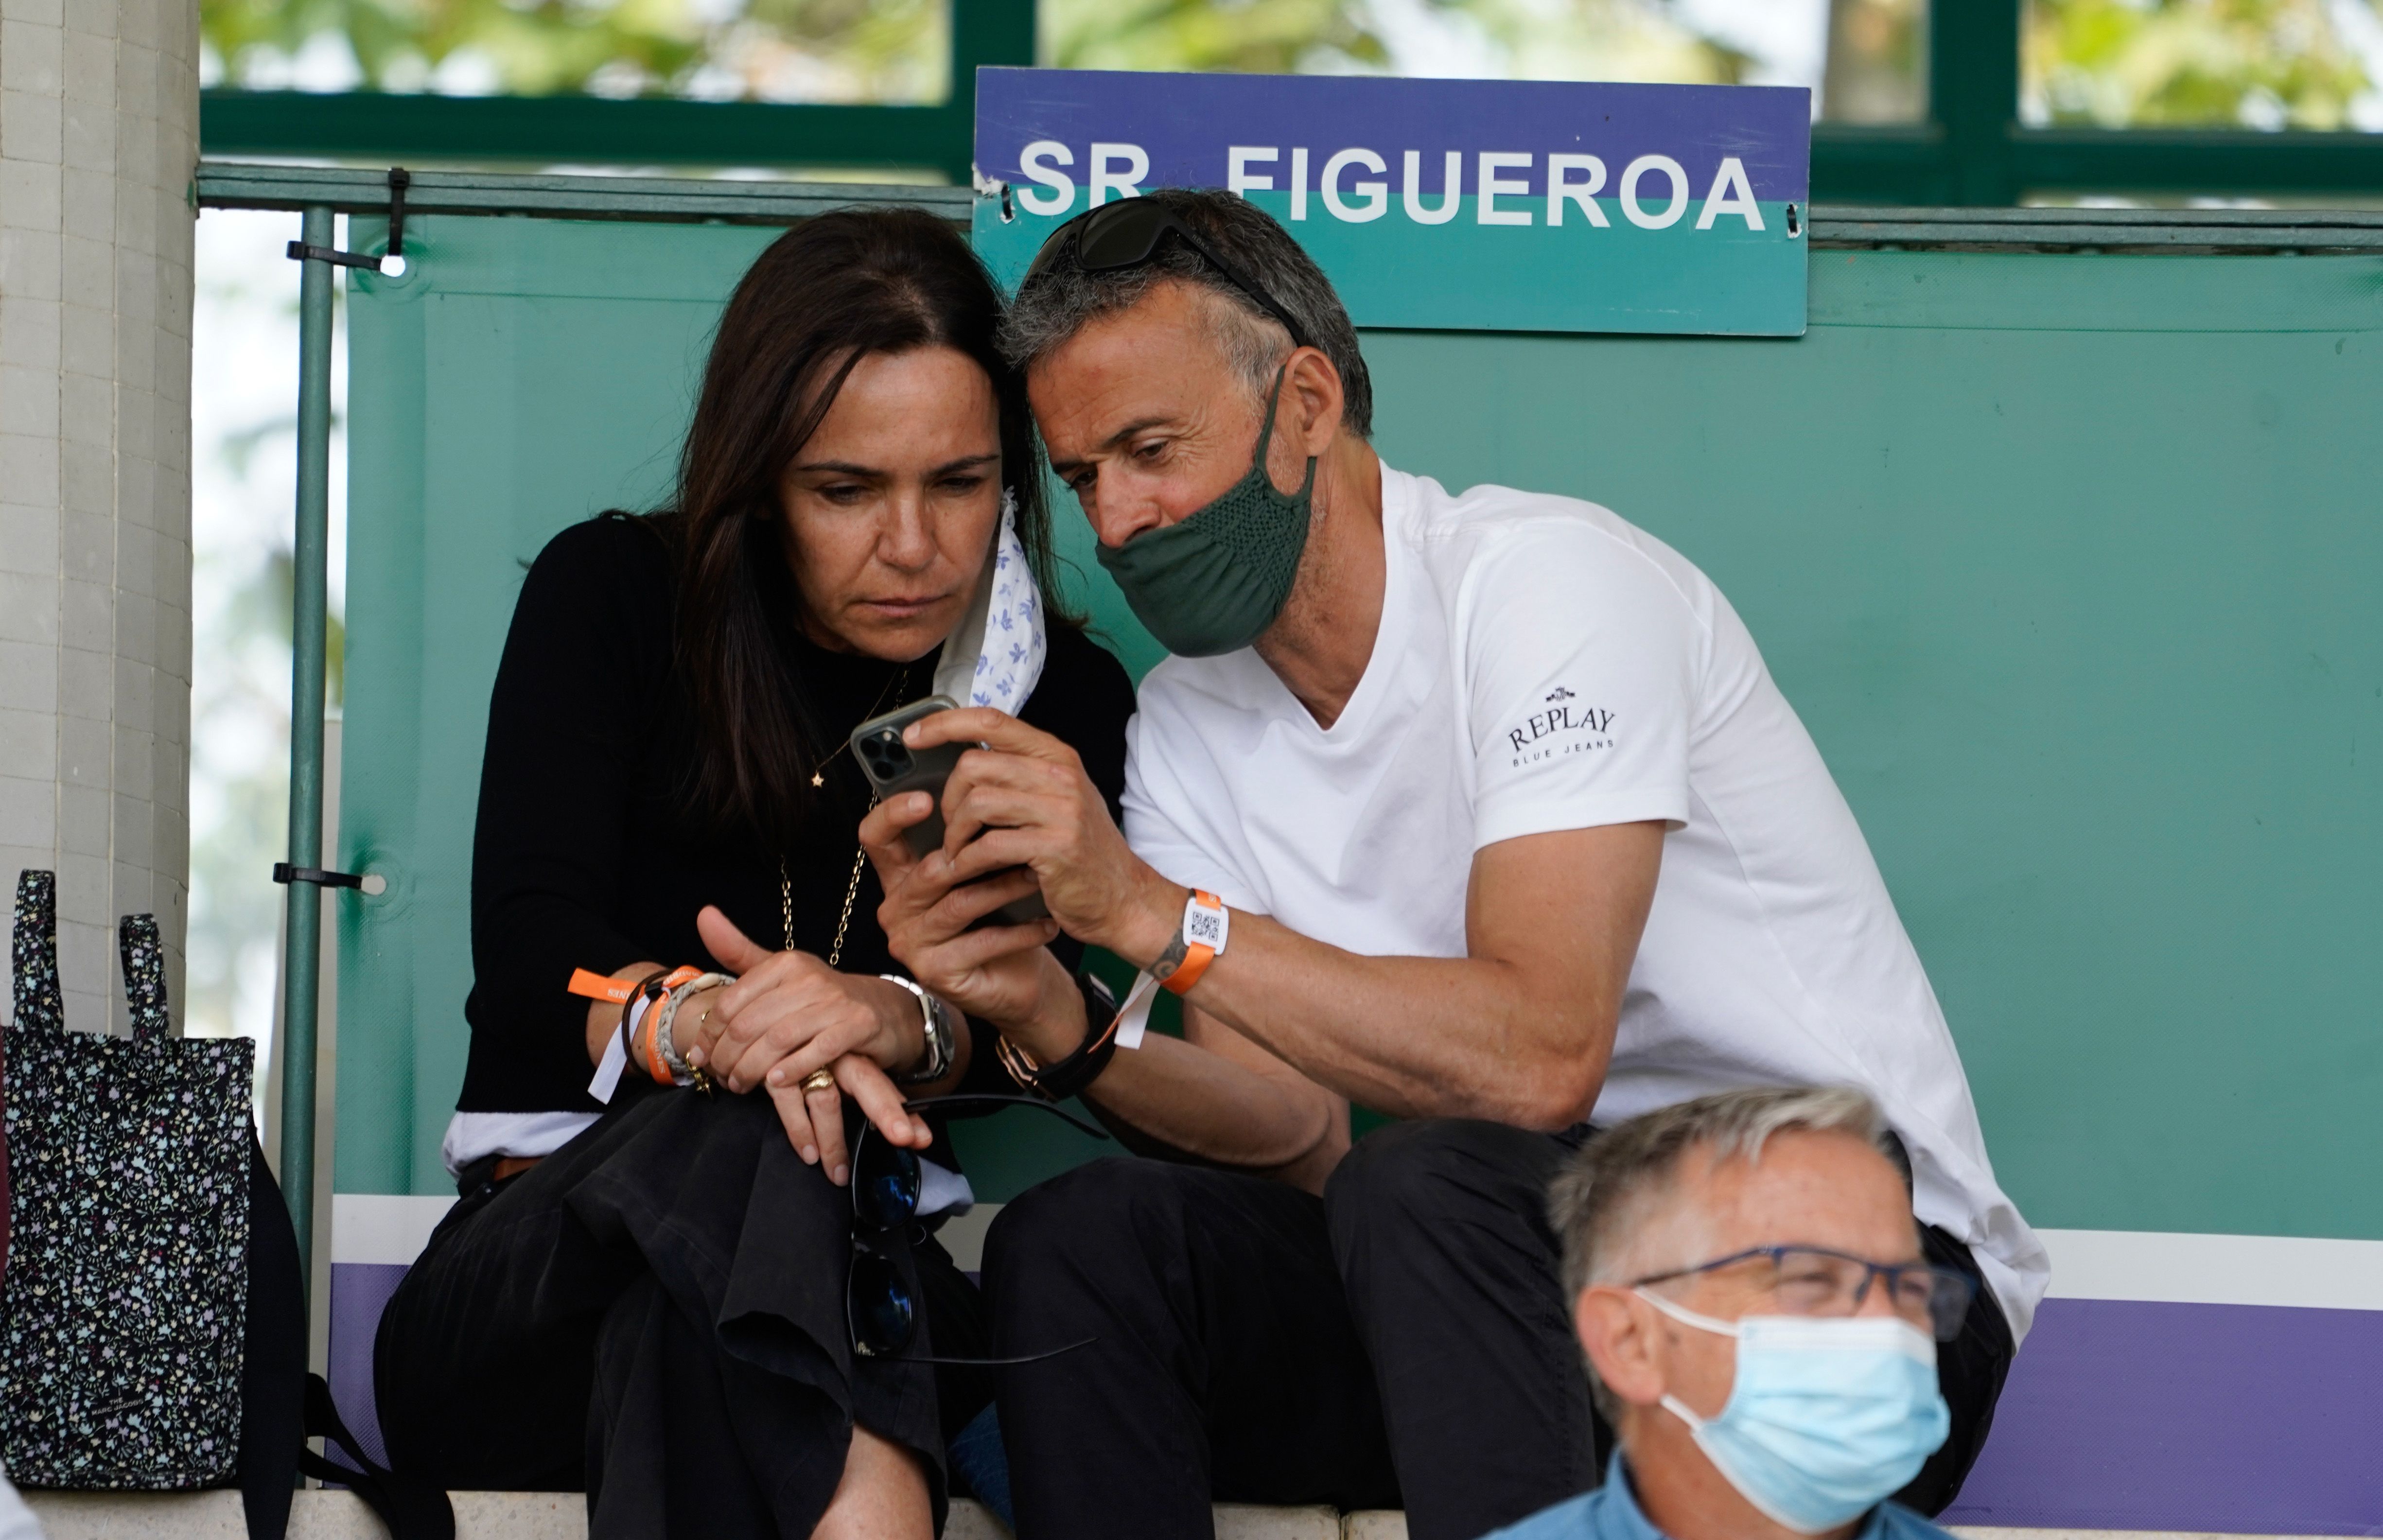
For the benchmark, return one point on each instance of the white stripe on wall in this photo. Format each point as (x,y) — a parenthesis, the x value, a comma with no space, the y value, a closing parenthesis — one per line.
(2159,1267)
(2151,1266)
(374,1228)
(2146,1266)
(391,1231)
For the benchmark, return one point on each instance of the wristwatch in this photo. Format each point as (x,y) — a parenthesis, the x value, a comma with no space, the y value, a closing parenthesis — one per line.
(942,1041)
(1068,1076)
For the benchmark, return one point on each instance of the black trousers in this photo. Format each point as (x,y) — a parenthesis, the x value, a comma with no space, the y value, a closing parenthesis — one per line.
(1402,1341)
(655,1313)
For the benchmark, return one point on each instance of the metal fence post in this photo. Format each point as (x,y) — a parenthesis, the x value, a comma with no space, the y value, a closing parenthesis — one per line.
(309,554)
(984,32)
(1973,93)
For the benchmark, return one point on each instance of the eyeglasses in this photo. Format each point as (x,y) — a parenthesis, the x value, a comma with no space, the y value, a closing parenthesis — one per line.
(880,1312)
(1812,1280)
(1121,236)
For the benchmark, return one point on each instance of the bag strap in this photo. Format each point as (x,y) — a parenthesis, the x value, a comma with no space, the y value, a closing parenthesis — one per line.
(412,1510)
(33,948)
(144,957)
(38,1007)
(6,1201)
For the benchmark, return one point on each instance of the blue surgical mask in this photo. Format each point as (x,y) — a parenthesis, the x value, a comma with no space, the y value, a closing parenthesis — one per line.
(1828,1417)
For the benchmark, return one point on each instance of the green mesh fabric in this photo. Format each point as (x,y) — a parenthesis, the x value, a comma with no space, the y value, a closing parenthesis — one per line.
(1213,583)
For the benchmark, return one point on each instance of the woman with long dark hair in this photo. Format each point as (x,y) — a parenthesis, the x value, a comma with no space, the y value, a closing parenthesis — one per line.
(657,1283)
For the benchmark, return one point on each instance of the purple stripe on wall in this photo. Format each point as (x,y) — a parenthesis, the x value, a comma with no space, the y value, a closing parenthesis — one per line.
(359,1291)
(2232,1418)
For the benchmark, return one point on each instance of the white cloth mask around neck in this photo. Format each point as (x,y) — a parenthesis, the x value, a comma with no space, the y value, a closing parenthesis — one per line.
(995,654)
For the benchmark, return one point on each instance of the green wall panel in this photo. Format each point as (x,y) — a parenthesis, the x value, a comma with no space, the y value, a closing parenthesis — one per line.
(2072,565)
(522,375)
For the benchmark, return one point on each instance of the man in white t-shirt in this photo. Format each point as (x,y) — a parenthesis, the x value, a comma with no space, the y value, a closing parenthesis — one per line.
(1479,810)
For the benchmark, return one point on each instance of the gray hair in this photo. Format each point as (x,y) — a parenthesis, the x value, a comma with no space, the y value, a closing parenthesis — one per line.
(1622,1175)
(1620,1181)
(1065,299)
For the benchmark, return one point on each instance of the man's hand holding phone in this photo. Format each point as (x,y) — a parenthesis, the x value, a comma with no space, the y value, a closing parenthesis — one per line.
(1019,797)
(894,767)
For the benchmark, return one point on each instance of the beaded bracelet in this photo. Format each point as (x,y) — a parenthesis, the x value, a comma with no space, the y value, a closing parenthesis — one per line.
(665,1043)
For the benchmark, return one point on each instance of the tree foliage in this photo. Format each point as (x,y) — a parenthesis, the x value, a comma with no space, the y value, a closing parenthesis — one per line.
(893,50)
(1519,39)
(769,50)
(1256,36)
(2267,64)
(2263,63)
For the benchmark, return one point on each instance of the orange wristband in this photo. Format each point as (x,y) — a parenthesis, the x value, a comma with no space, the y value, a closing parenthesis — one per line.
(654,1064)
(1207,923)
(623,992)
(596,986)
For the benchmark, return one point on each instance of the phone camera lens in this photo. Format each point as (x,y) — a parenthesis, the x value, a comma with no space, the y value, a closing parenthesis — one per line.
(885,753)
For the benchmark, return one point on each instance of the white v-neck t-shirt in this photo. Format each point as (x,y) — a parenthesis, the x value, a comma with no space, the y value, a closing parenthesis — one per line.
(1541,666)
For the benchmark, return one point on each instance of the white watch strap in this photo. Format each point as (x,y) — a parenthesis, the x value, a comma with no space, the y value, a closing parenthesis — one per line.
(1133,1016)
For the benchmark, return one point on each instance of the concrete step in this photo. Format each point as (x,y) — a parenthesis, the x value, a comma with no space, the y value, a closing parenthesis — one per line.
(316,1515)
(319,1515)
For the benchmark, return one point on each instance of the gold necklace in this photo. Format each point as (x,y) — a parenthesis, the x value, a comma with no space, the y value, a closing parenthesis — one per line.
(819,771)
(860,855)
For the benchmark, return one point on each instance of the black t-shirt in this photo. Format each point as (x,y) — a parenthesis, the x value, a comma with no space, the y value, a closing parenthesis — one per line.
(587,854)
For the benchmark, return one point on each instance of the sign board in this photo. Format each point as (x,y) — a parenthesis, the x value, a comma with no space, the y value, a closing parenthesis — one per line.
(1460,205)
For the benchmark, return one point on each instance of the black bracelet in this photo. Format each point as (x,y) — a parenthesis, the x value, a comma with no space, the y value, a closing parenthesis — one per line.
(1071,1076)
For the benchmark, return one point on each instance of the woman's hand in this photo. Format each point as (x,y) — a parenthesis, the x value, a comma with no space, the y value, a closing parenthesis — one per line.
(789,1015)
(995,974)
(814,1119)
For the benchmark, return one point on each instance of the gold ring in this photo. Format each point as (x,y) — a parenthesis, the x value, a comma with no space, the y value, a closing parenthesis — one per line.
(819,1079)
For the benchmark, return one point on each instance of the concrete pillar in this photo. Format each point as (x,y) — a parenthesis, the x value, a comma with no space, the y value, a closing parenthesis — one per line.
(99,117)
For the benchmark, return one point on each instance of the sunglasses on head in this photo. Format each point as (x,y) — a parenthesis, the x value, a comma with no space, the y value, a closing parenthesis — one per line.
(880,1310)
(1118,236)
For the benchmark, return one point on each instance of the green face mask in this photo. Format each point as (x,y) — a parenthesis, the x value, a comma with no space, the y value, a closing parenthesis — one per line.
(1213,583)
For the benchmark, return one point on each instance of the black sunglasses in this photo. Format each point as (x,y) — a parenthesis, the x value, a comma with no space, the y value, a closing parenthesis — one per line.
(880,1309)
(1120,236)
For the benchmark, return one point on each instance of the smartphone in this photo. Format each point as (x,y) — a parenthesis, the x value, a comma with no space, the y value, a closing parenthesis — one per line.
(892,767)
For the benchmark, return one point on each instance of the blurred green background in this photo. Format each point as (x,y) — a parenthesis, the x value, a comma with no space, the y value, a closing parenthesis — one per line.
(2261,64)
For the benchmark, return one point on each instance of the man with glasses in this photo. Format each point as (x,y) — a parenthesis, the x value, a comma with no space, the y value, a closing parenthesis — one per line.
(1761,1323)
(1479,809)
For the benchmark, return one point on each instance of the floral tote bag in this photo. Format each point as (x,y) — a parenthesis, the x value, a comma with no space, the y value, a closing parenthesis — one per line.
(124,1303)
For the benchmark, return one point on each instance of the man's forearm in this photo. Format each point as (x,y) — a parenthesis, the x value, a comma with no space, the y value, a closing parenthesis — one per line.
(1521,1031)
(1415,1037)
(1201,1104)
